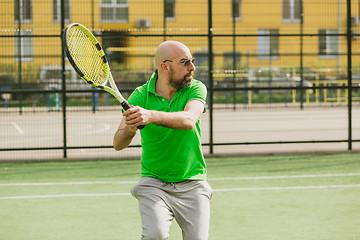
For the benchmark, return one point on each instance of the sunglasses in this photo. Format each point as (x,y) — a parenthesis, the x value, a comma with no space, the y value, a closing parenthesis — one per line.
(186,62)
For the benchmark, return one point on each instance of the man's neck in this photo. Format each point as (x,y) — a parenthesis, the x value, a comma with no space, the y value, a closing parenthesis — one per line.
(163,89)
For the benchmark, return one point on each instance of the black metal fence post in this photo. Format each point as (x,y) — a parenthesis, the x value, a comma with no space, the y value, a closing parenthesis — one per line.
(211,80)
(301,54)
(63,88)
(349,72)
(19,55)
(234,55)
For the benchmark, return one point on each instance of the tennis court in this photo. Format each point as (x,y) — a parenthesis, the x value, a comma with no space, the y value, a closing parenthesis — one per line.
(259,197)
(281,132)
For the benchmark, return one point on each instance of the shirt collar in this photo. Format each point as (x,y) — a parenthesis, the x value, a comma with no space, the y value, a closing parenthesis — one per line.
(152,81)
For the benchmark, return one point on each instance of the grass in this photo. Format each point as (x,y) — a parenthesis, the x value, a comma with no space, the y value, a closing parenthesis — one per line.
(244,207)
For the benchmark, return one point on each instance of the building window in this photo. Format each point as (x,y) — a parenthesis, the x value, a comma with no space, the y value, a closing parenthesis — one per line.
(24,46)
(57,11)
(291,11)
(236,10)
(328,45)
(114,11)
(23,11)
(268,43)
(170,12)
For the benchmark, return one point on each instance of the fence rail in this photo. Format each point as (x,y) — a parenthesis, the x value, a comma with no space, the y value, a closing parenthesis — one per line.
(258,60)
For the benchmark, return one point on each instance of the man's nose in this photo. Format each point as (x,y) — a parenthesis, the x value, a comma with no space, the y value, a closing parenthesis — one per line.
(192,66)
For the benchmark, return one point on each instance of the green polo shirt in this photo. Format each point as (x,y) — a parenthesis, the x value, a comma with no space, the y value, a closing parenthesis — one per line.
(168,154)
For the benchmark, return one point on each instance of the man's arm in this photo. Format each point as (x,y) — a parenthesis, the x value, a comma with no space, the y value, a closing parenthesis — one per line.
(183,120)
(123,136)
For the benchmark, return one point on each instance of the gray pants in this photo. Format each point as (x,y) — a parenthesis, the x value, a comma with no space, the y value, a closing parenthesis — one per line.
(160,202)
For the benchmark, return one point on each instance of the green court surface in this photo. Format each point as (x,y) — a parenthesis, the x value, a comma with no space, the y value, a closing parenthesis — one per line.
(301,197)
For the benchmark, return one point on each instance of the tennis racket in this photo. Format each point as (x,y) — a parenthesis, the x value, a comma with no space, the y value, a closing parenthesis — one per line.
(88,59)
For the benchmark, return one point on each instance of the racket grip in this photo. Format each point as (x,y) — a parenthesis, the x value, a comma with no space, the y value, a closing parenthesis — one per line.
(126,106)
(140,127)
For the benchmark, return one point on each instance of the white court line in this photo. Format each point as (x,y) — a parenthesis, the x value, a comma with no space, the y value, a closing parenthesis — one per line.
(215,190)
(67,195)
(286,188)
(105,128)
(65,183)
(285,177)
(18,128)
(209,179)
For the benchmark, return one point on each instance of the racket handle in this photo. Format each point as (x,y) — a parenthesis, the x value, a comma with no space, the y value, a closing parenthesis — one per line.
(126,106)
(140,127)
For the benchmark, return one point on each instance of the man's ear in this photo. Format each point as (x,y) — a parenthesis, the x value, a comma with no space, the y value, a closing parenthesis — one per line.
(163,67)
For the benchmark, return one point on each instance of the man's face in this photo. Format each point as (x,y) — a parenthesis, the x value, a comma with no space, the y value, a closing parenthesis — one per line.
(181,73)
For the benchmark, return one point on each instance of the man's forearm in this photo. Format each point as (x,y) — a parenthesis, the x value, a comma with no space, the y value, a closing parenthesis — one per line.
(182,120)
(123,137)
(176,120)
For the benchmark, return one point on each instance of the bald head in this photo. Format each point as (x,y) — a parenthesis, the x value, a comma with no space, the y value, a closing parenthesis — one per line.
(169,50)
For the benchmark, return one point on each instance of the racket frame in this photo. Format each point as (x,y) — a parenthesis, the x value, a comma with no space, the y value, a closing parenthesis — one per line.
(113,90)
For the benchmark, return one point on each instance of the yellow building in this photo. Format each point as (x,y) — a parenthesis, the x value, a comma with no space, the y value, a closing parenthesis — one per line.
(261,33)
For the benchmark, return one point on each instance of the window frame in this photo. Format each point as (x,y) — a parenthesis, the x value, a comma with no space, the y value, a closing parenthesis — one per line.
(265,44)
(236,4)
(328,41)
(26,45)
(57,11)
(19,11)
(289,6)
(173,17)
(113,5)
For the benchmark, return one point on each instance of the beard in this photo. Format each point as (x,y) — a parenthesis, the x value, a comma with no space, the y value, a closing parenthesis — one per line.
(179,83)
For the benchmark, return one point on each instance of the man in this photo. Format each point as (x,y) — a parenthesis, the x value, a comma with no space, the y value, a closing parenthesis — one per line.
(173,172)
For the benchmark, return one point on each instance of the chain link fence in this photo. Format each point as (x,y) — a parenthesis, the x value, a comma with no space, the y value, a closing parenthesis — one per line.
(282,76)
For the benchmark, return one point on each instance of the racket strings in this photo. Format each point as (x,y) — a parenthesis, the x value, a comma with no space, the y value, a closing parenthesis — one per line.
(86,56)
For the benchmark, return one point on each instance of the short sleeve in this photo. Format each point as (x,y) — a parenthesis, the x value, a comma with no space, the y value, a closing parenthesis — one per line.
(198,91)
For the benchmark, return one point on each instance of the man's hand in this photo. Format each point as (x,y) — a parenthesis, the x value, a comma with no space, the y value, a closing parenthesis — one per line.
(136,116)
(132,118)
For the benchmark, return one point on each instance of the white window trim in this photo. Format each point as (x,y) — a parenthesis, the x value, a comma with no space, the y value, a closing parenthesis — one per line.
(328,39)
(24,21)
(292,18)
(113,5)
(237,19)
(58,13)
(267,47)
(172,19)
(24,47)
